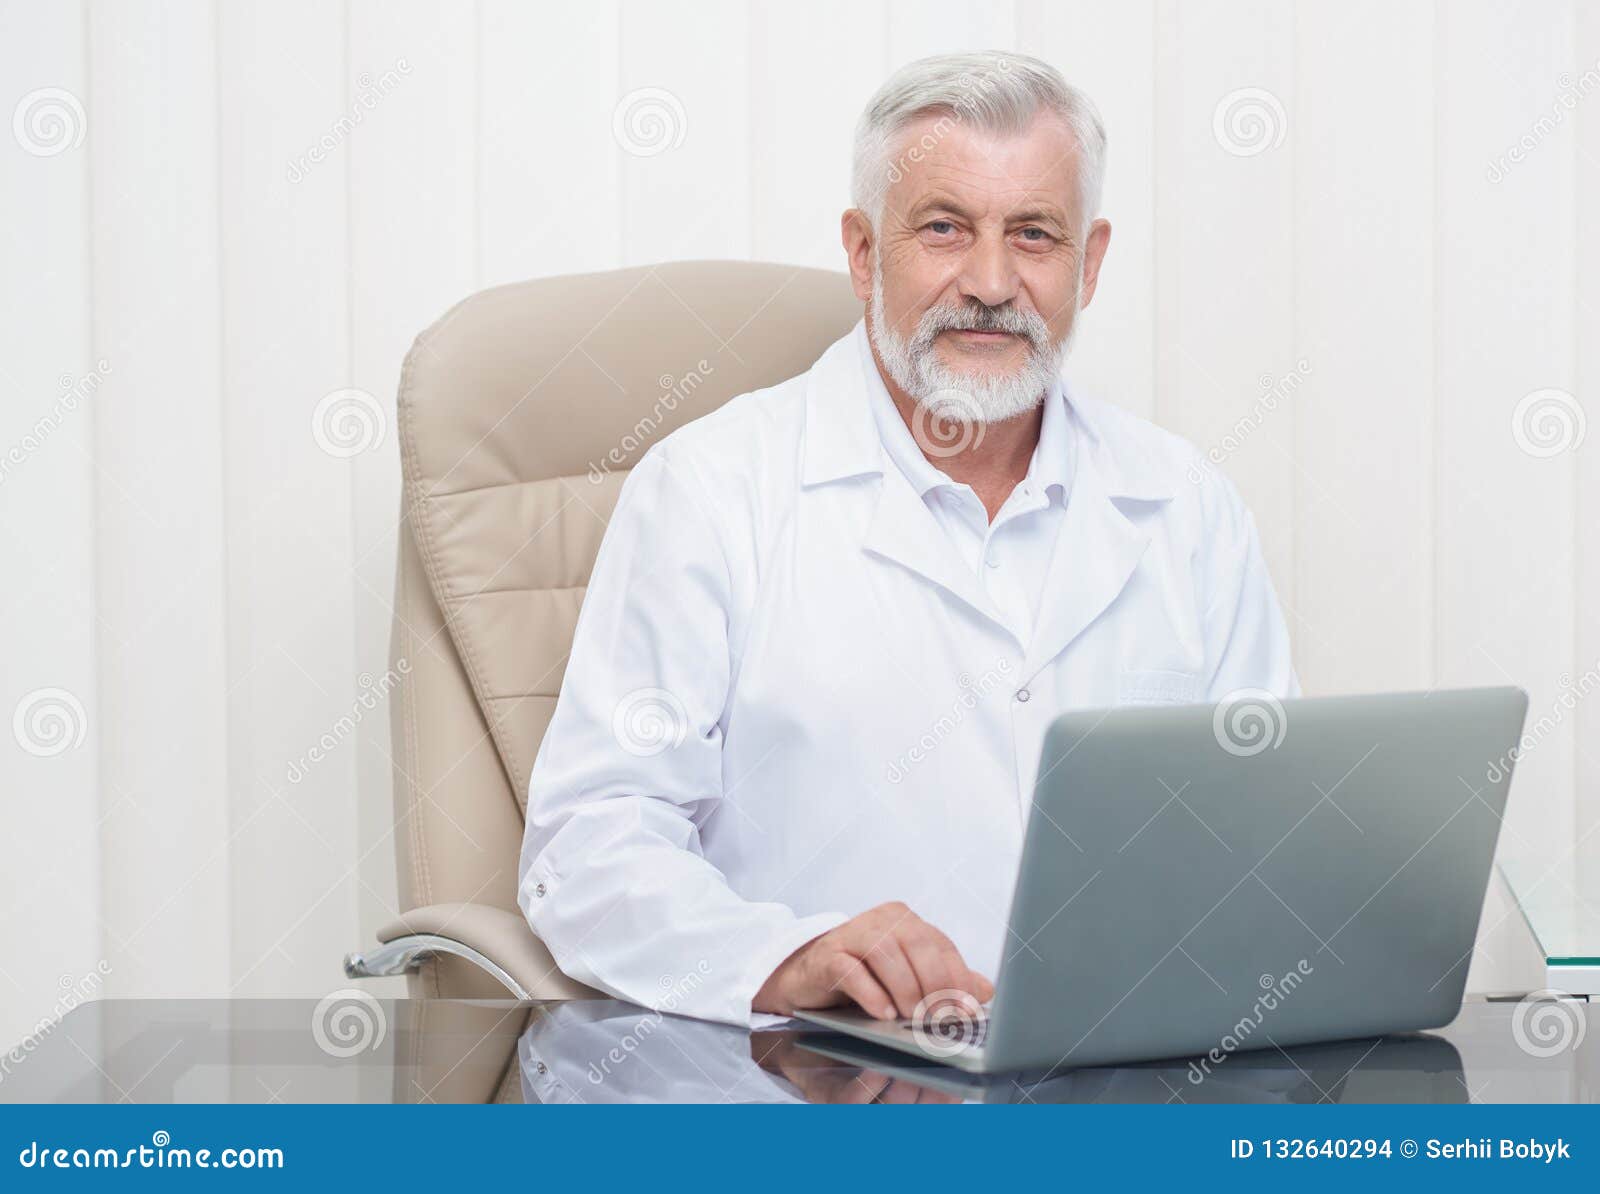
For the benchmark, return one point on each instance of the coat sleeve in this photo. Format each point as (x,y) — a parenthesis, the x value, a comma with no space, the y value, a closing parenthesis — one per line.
(1246,641)
(613,878)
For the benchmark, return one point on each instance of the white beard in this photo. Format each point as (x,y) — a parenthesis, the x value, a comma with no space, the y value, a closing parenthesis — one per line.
(950,395)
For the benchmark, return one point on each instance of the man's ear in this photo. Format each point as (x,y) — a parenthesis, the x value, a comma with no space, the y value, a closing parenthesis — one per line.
(1094,252)
(855,232)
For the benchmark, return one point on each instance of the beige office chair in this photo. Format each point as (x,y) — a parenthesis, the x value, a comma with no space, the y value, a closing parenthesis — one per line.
(520,413)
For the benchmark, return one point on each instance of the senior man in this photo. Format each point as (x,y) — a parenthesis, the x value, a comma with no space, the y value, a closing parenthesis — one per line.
(829,625)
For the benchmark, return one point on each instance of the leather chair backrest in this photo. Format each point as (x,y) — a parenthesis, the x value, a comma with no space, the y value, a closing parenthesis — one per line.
(520,413)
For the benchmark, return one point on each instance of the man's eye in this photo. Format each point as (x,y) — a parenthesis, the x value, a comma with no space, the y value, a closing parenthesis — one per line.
(941,227)
(1036,235)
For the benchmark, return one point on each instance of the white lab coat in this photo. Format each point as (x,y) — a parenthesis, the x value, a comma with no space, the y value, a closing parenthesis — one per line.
(789,699)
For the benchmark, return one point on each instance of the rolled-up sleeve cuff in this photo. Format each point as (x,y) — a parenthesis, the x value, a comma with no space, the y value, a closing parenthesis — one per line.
(767,956)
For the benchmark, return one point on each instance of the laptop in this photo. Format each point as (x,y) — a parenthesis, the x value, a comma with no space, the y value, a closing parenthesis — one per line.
(1198,880)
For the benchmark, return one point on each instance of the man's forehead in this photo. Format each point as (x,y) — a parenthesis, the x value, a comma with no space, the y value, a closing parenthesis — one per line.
(937,157)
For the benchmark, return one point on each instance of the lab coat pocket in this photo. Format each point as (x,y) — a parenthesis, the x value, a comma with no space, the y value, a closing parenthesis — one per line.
(1156,686)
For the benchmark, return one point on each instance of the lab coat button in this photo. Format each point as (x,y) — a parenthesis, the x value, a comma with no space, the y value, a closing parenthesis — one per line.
(539,891)
(1023,694)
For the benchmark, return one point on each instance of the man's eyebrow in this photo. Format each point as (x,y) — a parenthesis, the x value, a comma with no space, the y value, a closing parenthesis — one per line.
(936,202)
(1042,212)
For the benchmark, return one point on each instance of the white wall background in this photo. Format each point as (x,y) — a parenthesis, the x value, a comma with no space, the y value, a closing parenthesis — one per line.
(208,586)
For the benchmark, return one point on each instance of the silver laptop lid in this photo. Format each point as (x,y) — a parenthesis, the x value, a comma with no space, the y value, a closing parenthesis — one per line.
(1199,879)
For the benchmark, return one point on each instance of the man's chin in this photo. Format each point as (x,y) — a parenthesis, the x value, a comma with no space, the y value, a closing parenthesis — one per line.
(973,379)
(977,404)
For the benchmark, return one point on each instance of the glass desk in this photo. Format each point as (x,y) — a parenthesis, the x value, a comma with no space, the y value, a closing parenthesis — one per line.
(600,1051)
(1561,905)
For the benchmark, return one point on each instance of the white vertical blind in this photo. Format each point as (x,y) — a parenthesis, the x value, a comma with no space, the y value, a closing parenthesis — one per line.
(1363,414)
(1505,325)
(49,789)
(162,535)
(1326,267)
(282,85)
(1586,458)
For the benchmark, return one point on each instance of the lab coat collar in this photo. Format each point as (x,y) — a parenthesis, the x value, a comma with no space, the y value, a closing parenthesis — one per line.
(1123,465)
(1097,549)
(840,438)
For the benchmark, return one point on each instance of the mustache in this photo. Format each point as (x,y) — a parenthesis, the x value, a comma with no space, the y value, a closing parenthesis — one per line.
(980,317)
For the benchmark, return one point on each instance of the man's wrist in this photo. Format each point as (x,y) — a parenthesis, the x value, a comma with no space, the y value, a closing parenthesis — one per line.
(774,954)
(770,998)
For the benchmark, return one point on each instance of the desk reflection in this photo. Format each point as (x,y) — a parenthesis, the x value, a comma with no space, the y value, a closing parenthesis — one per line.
(611,1052)
(498,1051)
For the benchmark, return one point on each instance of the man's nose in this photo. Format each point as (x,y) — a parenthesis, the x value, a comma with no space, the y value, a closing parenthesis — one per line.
(987,273)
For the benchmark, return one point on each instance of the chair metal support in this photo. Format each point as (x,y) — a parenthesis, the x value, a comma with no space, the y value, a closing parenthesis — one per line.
(405,954)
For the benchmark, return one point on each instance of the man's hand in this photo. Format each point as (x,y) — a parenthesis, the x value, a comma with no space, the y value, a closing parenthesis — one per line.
(887,960)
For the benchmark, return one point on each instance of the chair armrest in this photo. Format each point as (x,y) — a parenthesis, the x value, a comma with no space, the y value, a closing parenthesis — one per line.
(497,941)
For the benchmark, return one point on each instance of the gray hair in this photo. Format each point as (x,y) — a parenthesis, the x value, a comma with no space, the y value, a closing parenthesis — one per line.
(996,92)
